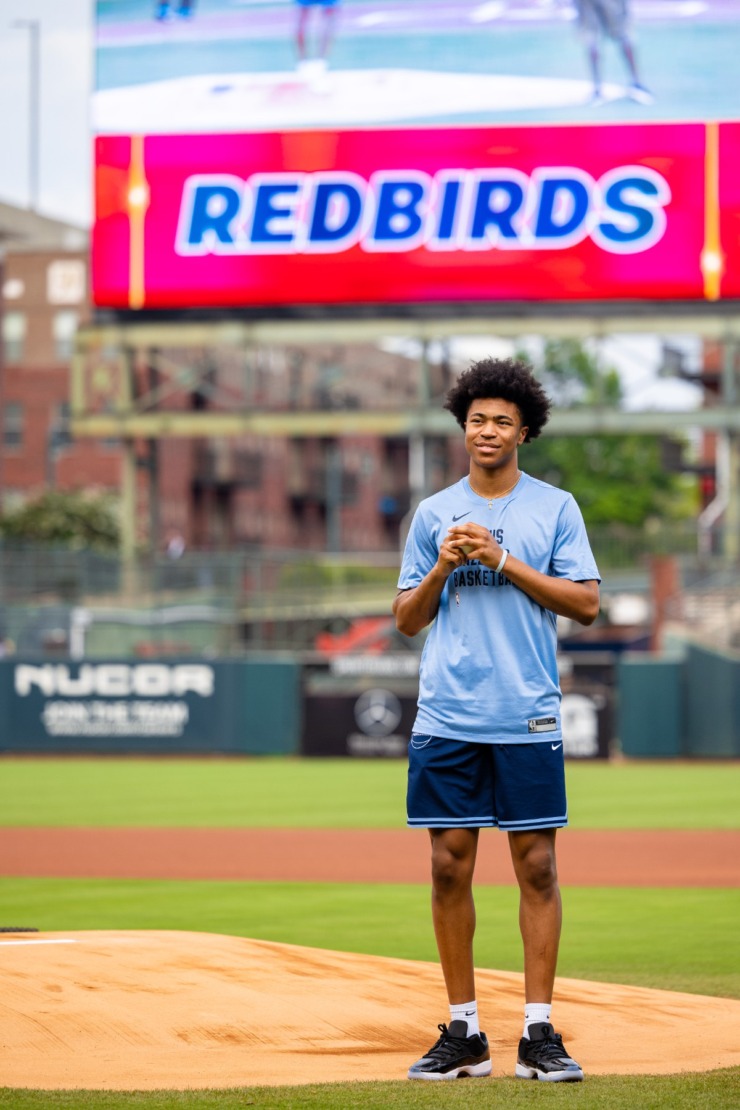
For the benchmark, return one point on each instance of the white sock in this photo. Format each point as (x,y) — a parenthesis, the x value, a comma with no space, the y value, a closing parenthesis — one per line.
(534,1012)
(468,1012)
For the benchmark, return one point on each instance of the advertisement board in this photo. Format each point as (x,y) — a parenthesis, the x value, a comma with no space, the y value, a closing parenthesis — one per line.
(154,707)
(537,213)
(362,723)
(364,706)
(258,154)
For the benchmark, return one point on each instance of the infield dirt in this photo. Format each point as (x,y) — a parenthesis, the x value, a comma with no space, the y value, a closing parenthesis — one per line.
(148,1010)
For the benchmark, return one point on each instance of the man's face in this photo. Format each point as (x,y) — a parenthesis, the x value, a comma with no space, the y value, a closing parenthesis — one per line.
(493,431)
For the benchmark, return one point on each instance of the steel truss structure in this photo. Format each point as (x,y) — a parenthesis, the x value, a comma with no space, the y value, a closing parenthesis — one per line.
(109,399)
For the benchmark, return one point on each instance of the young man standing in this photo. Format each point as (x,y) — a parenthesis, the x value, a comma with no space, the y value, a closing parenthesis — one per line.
(601,19)
(489,563)
(328,20)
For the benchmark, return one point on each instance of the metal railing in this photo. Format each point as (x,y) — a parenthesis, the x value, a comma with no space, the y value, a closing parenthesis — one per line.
(56,600)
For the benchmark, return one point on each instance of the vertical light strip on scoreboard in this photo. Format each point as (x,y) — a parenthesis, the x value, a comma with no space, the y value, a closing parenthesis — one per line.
(712,258)
(138,202)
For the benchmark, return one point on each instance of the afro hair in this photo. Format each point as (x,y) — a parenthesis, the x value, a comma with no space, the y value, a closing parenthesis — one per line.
(506,378)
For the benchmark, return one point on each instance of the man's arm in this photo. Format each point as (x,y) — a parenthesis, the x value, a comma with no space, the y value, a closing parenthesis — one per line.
(577,600)
(417,607)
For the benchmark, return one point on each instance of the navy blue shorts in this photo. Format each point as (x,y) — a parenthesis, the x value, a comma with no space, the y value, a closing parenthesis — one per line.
(460,784)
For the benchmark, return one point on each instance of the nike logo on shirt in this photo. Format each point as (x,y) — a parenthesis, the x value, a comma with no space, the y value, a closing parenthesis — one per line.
(455,518)
(556,746)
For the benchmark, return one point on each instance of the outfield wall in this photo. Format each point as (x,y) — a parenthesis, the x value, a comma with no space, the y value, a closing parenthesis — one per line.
(354,706)
(157,706)
(685,705)
(679,706)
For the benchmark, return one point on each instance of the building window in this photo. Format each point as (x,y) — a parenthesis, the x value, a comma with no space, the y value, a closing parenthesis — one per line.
(12,425)
(15,325)
(64,329)
(66,281)
(13,289)
(59,436)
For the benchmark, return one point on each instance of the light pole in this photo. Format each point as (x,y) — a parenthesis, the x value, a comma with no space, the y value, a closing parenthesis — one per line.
(33,26)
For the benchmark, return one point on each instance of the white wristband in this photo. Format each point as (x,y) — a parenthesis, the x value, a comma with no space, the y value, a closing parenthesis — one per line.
(502,564)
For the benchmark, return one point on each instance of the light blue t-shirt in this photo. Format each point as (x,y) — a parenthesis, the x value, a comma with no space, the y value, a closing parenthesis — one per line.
(488,671)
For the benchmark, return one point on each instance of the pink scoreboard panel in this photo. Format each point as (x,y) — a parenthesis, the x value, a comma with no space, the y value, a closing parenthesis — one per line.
(408,215)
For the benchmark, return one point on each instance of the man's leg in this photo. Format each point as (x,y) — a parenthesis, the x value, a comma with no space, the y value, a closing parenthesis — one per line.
(301,32)
(458,1051)
(540,909)
(453,908)
(327,31)
(542,1054)
(593,51)
(637,90)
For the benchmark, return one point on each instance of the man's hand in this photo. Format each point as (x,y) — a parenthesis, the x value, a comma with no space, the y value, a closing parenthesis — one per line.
(451,556)
(414,609)
(474,541)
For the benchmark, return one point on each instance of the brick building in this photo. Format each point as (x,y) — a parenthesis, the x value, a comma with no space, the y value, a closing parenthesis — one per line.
(44,298)
(346,493)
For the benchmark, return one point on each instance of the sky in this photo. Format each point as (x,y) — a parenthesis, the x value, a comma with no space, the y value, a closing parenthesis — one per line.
(65,174)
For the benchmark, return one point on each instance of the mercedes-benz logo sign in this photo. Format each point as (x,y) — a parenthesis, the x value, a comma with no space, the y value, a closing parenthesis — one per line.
(377,712)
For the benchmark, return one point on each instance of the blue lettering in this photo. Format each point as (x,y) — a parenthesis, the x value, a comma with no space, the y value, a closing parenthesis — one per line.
(554,208)
(485,215)
(397,217)
(267,211)
(213,209)
(641,219)
(324,229)
(448,210)
(552,191)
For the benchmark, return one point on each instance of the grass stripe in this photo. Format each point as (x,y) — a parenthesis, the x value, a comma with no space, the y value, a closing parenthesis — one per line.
(670,939)
(717,1090)
(326,793)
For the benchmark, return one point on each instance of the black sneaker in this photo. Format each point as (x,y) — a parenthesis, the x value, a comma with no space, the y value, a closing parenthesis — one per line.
(454,1055)
(543,1056)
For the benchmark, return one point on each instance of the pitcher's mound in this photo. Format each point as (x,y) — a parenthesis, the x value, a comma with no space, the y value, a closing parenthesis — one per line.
(145,1010)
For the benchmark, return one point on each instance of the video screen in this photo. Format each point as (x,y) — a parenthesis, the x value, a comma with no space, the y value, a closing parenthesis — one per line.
(324,152)
(195,66)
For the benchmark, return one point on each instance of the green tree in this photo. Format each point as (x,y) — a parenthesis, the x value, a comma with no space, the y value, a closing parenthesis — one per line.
(73,518)
(616,479)
(574,377)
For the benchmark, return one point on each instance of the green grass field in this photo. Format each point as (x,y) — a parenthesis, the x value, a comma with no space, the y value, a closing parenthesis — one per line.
(328,793)
(719,1090)
(672,939)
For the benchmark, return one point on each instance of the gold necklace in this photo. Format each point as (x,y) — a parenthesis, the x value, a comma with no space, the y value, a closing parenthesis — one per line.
(496,496)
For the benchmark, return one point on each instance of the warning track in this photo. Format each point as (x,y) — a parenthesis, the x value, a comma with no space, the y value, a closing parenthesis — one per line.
(657,858)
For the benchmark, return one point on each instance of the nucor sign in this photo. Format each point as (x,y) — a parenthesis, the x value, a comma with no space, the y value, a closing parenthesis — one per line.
(114,680)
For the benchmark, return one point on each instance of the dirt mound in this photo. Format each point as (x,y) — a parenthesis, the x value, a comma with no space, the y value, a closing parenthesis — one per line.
(126,1010)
